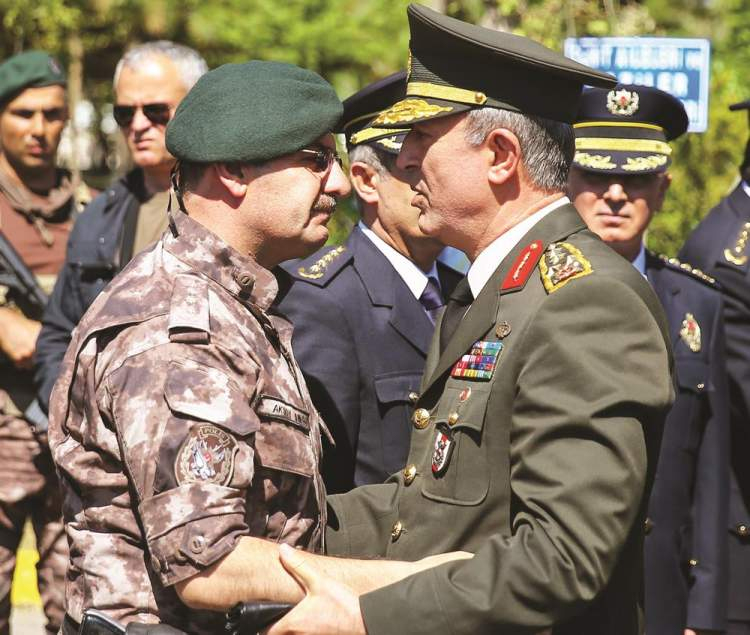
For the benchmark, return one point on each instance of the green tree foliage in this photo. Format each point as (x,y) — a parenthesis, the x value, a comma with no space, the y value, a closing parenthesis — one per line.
(352,42)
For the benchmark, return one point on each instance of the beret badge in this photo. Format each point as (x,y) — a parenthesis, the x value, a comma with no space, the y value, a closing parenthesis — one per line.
(622,102)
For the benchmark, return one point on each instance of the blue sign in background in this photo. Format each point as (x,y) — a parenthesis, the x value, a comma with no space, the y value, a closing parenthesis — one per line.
(679,66)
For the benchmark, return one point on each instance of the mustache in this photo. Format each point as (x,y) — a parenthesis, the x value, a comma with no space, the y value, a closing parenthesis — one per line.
(325,204)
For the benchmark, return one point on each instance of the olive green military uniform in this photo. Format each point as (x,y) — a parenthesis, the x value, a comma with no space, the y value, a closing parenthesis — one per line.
(552,456)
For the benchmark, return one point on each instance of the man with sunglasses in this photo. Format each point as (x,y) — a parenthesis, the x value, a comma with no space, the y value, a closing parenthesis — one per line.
(150,81)
(618,182)
(37,205)
(363,361)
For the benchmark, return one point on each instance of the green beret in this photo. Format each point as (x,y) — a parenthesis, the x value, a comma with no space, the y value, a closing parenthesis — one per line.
(31,69)
(252,112)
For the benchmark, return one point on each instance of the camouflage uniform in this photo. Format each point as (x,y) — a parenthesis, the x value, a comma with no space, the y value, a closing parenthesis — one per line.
(181,422)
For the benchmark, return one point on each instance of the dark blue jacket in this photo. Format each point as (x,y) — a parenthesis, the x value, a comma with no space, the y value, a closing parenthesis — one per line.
(719,247)
(99,246)
(361,339)
(686,563)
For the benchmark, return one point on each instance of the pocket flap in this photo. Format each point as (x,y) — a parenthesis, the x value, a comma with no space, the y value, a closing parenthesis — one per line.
(396,386)
(692,374)
(208,394)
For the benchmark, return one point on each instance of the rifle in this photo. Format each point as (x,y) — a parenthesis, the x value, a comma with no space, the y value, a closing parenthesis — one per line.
(16,275)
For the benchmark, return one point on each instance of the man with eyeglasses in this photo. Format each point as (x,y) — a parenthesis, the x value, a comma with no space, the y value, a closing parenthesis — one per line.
(150,81)
(37,204)
(363,360)
(618,181)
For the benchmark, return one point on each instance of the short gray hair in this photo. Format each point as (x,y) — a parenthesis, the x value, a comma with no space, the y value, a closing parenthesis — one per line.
(190,65)
(547,146)
(379,160)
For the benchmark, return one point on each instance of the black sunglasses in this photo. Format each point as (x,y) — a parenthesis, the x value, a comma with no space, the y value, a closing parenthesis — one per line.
(323,158)
(158,114)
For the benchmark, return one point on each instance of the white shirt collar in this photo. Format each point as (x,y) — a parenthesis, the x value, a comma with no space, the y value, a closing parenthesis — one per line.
(640,261)
(413,276)
(487,262)
(746,187)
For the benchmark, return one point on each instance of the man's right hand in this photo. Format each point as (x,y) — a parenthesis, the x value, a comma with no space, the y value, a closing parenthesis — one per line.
(18,337)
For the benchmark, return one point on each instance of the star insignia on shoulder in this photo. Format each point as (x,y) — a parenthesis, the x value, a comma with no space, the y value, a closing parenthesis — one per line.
(675,263)
(318,269)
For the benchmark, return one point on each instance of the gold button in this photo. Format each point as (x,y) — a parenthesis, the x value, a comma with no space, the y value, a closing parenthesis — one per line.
(420,418)
(742,530)
(648,525)
(410,473)
(414,397)
(480,97)
(701,386)
(453,418)
(396,531)
(693,562)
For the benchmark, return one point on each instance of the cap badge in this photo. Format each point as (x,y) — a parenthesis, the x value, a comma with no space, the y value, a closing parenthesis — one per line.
(561,263)
(409,110)
(207,455)
(691,333)
(622,102)
(54,66)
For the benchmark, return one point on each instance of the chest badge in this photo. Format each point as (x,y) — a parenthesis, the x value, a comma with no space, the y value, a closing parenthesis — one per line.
(480,363)
(207,455)
(442,451)
(691,333)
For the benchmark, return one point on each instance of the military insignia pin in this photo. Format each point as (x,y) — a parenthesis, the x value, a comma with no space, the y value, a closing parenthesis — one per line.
(480,363)
(442,451)
(736,255)
(207,455)
(502,329)
(561,263)
(691,333)
(622,102)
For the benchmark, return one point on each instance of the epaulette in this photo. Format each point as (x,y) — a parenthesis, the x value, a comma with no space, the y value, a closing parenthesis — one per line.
(684,267)
(323,268)
(561,263)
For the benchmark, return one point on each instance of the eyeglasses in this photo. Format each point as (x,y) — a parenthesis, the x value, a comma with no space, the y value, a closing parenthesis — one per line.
(323,158)
(158,114)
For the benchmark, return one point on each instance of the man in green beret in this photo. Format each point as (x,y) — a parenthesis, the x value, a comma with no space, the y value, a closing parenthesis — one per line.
(37,205)
(536,430)
(181,425)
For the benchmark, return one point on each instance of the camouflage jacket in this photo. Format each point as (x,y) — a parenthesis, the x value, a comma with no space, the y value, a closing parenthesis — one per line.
(180,423)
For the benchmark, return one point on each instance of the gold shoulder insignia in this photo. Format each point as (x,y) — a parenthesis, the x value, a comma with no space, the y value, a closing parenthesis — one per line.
(697,273)
(561,263)
(736,255)
(318,269)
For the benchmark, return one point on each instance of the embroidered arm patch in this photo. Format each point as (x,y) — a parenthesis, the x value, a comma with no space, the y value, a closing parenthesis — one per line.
(561,263)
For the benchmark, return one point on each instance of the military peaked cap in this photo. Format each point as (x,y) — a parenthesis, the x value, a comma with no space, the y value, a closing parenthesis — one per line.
(744,105)
(363,106)
(30,69)
(454,67)
(626,130)
(252,112)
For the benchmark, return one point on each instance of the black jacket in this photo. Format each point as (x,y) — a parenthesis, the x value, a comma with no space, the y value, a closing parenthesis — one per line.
(720,246)
(361,339)
(100,245)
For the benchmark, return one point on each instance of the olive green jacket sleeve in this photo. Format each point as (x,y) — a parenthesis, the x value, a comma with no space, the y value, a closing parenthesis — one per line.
(593,383)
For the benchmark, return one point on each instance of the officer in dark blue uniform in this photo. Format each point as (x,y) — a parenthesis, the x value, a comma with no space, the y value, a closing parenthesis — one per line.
(364,311)
(618,181)
(719,246)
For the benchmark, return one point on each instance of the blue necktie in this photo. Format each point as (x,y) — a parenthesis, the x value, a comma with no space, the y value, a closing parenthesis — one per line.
(431,299)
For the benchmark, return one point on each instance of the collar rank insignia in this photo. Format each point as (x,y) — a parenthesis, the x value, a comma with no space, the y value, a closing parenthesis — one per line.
(691,333)
(480,363)
(622,102)
(207,455)
(522,267)
(318,269)
(561,263)
(442,451)
(736,255)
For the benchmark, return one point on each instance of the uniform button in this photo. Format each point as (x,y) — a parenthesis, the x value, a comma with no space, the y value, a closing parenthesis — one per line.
(420,418)
(396,531)
(197,544)
(648,525)
(742,530)
(245,280)
(410,473)
(453,418)
(693,562)
(414,397)
(701,386)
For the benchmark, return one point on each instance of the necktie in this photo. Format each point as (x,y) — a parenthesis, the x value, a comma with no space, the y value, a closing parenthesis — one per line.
(455,310)
(431,299)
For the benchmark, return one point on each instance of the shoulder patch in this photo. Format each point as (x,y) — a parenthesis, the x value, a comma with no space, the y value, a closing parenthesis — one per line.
(561,263)
(674,263)
(206,456)
(320,267)
(736,254)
